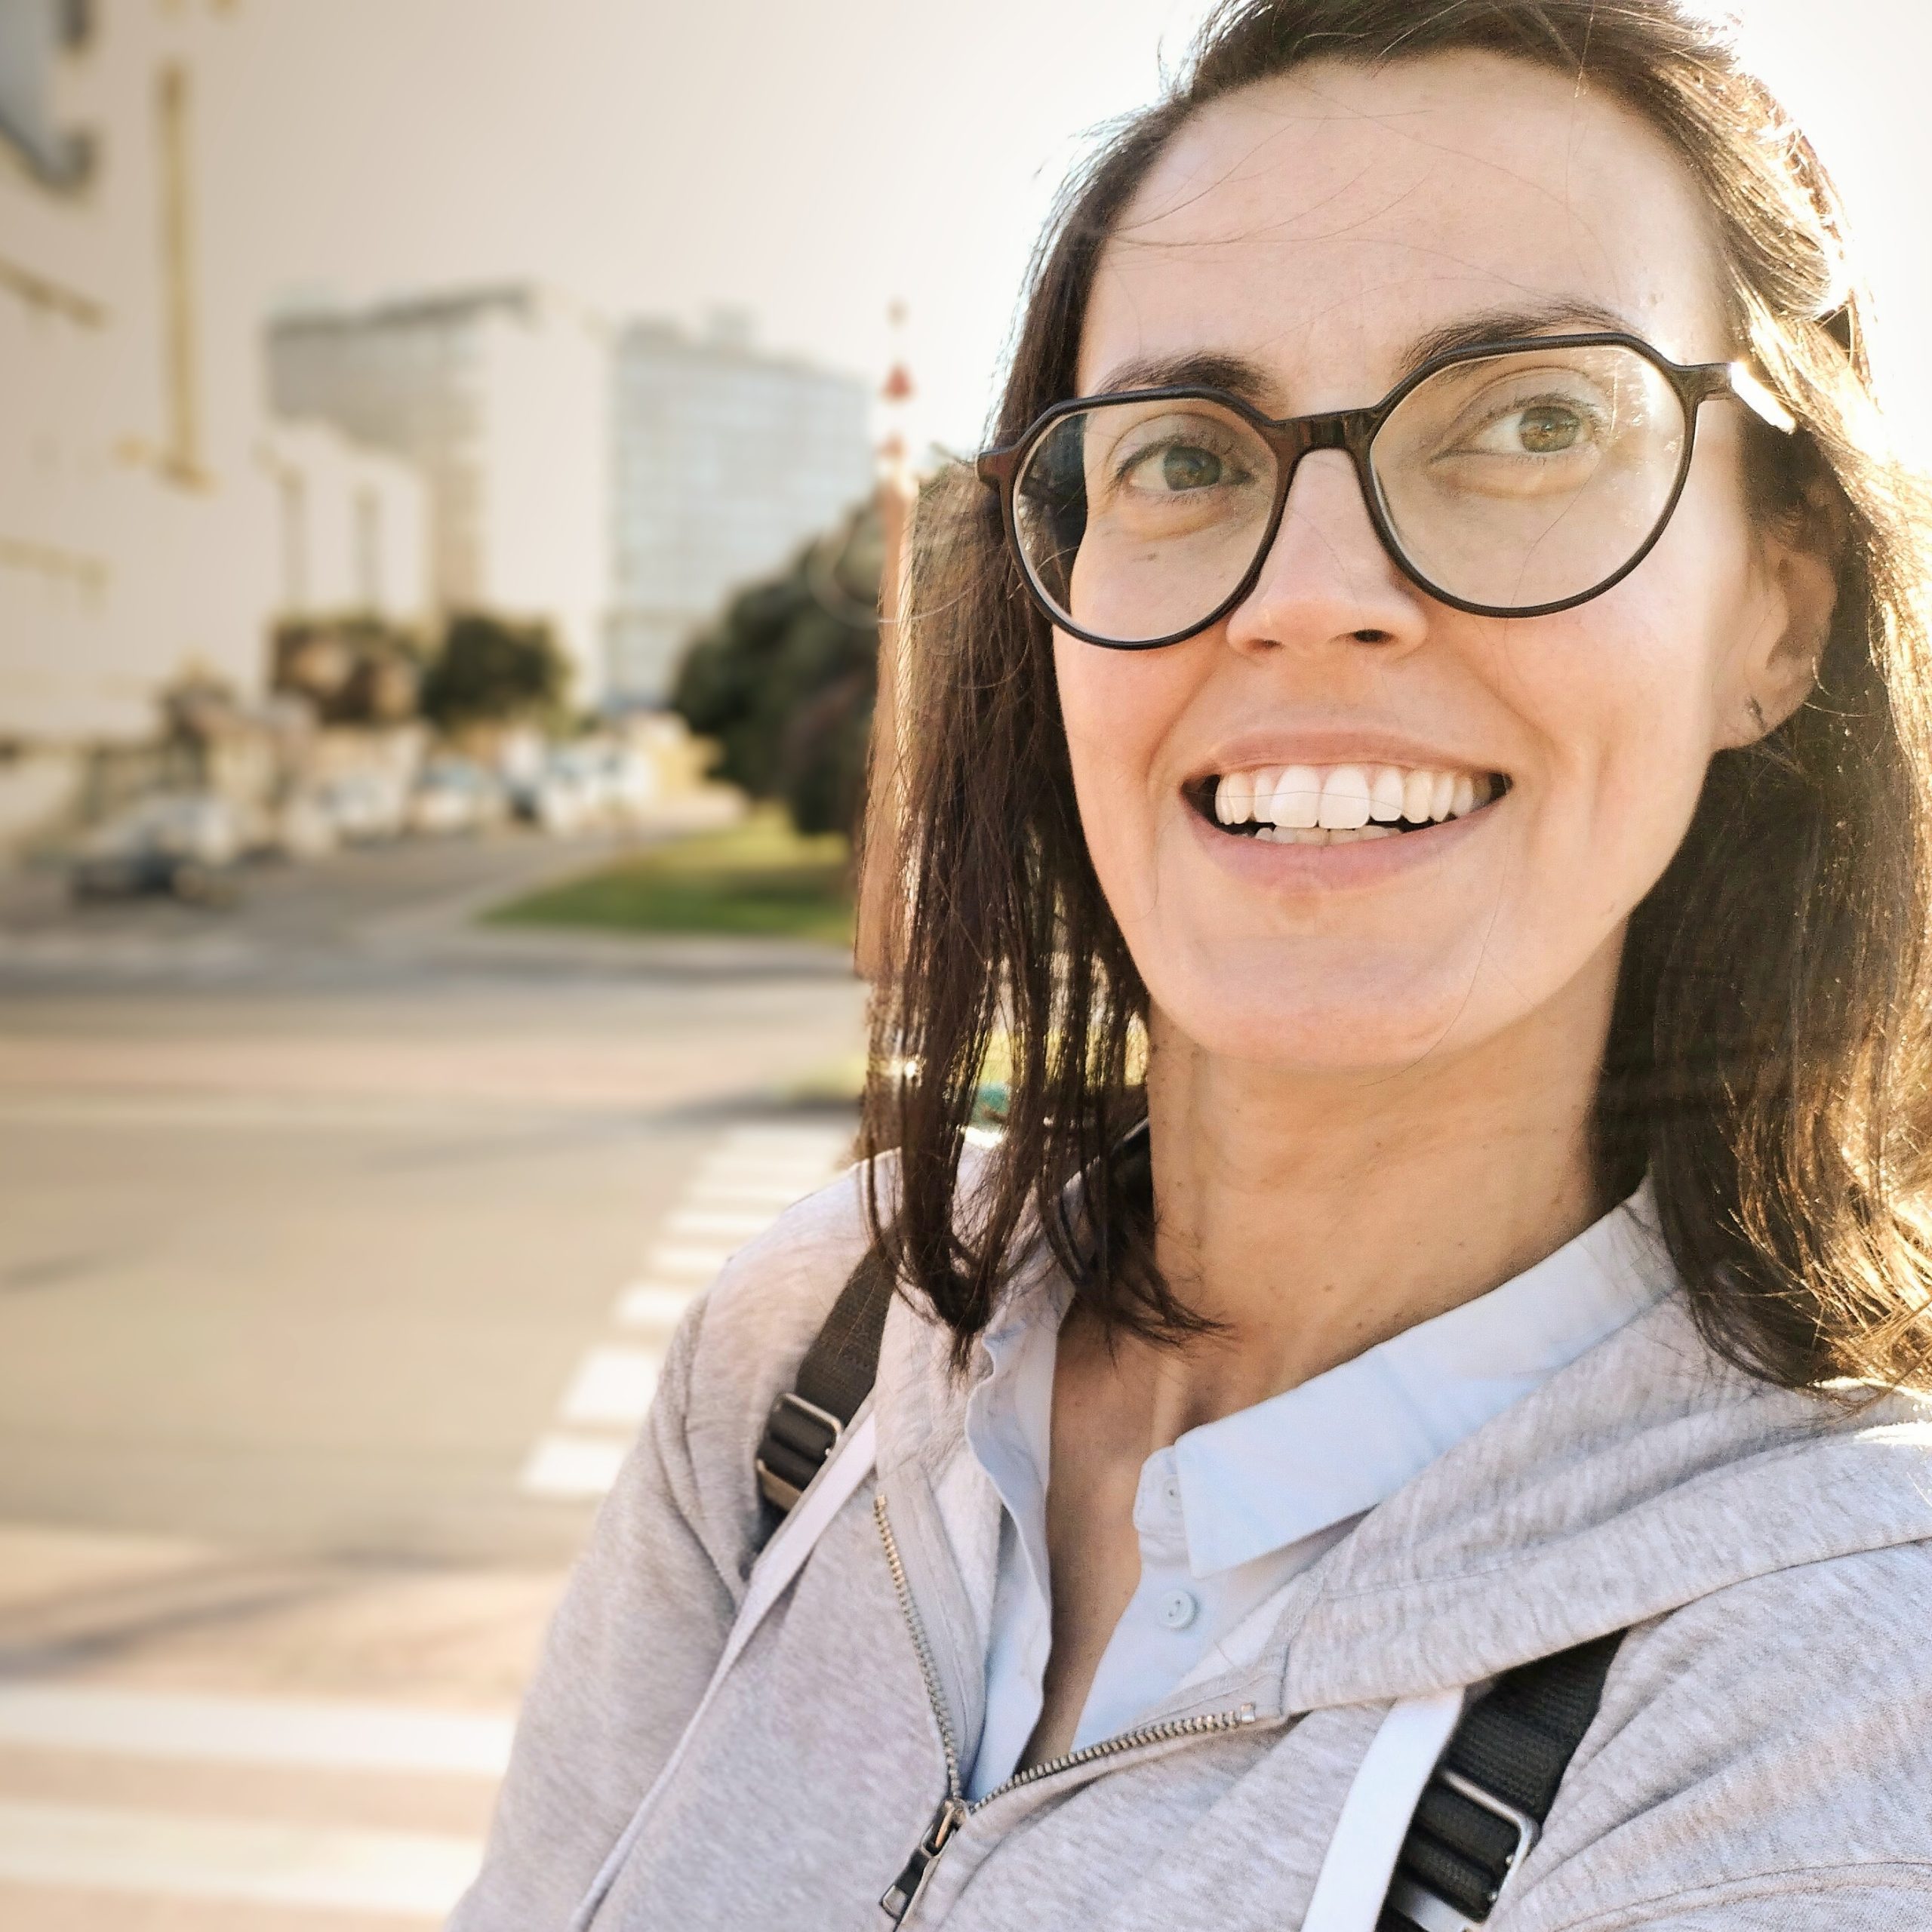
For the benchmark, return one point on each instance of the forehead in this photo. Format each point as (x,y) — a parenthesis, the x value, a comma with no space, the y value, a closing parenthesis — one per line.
(1321,223)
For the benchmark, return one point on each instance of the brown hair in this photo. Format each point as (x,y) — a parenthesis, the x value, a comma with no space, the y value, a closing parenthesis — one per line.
(1768,1058)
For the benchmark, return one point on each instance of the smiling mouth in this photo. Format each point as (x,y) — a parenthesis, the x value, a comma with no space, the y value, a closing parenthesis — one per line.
(1340,804)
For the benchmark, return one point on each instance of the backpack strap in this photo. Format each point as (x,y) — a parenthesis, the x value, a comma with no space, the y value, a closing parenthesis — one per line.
(836,1377)
(806,1421)
(1484,1805)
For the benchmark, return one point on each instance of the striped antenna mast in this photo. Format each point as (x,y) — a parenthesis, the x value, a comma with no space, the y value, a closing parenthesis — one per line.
(880,872)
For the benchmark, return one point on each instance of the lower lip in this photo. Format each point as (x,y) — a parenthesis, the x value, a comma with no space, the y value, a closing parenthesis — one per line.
(1362,862)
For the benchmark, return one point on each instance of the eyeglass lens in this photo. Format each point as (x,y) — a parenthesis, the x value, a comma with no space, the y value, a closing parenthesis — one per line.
(1510,481)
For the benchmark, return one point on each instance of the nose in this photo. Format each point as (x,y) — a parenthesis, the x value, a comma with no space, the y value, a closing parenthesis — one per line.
(1327,578)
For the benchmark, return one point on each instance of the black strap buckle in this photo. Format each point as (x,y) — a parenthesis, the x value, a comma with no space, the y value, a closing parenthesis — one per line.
(1432,1912)
(799,1437)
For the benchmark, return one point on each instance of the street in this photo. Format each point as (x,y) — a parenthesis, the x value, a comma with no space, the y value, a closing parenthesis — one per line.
(340,1238)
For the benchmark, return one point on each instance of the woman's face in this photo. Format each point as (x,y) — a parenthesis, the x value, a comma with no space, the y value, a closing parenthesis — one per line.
(1315,231)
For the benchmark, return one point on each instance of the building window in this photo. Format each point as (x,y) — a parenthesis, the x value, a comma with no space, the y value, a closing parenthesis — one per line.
(368,551)
(180,350)
(294,543)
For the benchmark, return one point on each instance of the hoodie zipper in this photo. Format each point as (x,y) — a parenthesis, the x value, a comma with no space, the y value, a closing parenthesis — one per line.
(955,1808)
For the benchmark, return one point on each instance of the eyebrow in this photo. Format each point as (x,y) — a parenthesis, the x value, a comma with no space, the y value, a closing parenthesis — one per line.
(1565,315)
(1193,369)
(1261,388)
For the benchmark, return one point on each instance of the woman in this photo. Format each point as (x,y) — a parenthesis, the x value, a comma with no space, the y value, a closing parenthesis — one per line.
(1425,706)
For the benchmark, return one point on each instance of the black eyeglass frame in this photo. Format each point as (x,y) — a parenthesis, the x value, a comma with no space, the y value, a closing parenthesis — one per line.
(1353,431)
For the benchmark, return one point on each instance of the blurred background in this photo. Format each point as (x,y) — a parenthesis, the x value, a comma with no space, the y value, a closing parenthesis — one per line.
(441,539)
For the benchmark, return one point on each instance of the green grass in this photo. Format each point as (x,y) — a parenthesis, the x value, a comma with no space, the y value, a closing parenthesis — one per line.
(759,879)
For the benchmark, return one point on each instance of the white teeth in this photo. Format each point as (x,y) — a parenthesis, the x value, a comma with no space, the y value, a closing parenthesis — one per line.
(1297,797)
(1345,798)
(1297,835)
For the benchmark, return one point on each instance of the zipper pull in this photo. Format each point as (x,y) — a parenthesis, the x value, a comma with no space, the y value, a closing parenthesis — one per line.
(903,1893)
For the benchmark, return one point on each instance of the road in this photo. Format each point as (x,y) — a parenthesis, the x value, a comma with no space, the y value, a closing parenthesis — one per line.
(339,1239)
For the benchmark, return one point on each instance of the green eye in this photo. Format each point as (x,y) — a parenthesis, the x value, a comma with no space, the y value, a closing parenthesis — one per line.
(1545,428)
(1185,468)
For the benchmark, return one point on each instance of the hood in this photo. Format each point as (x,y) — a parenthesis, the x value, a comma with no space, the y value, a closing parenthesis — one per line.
(1642,1476)
(1645,1475)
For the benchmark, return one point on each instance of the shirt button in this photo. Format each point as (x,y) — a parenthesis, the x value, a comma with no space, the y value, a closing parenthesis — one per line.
(1170,1492)
(1178,1608)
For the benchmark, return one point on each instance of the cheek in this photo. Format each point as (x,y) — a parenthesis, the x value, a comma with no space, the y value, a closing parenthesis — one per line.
(1119,708)
(1626,697)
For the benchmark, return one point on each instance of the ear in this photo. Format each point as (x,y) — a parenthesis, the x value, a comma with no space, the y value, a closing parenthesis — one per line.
(1796,573)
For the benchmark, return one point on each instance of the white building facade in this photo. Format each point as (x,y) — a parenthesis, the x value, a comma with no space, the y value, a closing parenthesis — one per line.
(137,534)
(499,397)
(724,461)
(353,526)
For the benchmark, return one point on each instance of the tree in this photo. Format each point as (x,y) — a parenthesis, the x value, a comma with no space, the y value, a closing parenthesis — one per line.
(489,670)
(353,670)
(786,680)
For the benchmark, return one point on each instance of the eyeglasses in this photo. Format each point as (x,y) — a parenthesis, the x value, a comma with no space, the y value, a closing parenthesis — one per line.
(1509,479)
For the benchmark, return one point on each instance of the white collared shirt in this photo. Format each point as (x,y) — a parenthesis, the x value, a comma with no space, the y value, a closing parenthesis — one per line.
(1232,1511)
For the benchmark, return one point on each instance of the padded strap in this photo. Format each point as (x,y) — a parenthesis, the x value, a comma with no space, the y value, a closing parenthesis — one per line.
(833,1379)
(1482,1810)
(839,1370)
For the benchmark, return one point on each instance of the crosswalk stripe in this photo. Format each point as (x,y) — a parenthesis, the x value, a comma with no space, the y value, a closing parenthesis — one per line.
(825,1142)
(180,1857)
(787,1184)
(264,1731)
(570,1468)
(612,1388)
(701,1221)
(741,1185)
(653,1305)
(678,1259)
(708,1190)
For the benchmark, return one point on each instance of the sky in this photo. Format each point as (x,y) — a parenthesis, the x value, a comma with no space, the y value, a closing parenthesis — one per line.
(813,164)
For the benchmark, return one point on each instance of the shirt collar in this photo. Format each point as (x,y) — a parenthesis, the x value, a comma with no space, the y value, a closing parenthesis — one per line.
(1253,1482)
(1009,1410)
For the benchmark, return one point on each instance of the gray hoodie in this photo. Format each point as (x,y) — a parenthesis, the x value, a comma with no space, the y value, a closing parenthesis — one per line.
(1761,1761)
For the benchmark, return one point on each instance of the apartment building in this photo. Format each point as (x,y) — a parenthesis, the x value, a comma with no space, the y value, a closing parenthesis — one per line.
(135,533)
(498,397)
(153,523)
(724,460)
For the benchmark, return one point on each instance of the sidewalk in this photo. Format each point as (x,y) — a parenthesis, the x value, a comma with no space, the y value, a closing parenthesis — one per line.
(191,1739)
(201,1738)
(342,1242)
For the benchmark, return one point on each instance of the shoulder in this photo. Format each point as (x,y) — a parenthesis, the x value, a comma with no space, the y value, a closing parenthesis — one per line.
(1771,1740)
(740,1344)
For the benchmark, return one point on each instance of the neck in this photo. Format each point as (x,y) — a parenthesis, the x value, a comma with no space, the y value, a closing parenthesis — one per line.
(1311,1216)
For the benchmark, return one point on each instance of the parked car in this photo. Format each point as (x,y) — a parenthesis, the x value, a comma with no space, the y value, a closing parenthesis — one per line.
(366,806)
(183,844)
(570,795)
(454,794)
(581,786)
(302,827)
(631,781)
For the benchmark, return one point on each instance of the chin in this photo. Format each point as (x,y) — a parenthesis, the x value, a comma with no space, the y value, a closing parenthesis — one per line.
(1308,1023)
